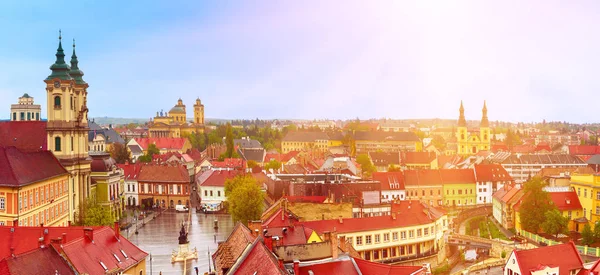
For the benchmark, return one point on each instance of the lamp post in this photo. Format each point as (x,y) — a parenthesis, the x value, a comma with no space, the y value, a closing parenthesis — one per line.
(135,219)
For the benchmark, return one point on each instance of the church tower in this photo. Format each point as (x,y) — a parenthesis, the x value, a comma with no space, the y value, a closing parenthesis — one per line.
(484,129)
(67,126)
(198,112)
(461,131)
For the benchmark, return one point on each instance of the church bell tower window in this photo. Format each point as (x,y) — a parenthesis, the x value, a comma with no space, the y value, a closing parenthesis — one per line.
(57,102)
(57,144)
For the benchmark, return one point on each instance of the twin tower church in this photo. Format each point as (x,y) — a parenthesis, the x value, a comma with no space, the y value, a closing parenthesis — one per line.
(471,141)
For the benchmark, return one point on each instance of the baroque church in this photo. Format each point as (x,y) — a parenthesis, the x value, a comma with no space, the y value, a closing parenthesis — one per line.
(174,124)
(67,125)
(471,141)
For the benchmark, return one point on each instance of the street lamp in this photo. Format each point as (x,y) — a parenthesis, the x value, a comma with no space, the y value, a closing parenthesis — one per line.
(135,220)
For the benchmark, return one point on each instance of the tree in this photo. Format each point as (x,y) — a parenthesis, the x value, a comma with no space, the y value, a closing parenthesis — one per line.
(587,236)
(245,199)
(197,140)
(229,141)
(555,223)
(535,204)
(439,142)
(597,231)
(273,164)
(152,150)
(393,168)
(365,165)
(251,164)
(93,214)
(119,153)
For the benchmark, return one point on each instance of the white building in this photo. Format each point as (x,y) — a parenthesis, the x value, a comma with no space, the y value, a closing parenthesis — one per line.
(211,188)
(489,178)
(392,186)
(131,172)
(547,260)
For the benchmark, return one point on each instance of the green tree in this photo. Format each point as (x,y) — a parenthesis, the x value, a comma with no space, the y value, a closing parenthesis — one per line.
(439,142)
(245,199)
(587,236)
(555,223)
(366,165)
(197,140)
(229,141)
(93,214)
(393,168)
(152,150)
(535,204)
(273,164)
(251,164)
(597,231)
(119,152)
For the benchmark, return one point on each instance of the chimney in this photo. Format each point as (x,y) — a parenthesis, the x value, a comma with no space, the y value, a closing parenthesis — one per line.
(268,243)
(56,240)
(255,227)
(89,233)
(296,267)
(343,243)
(280,260)
(334,245)
(64,238)
(340,219)
(326,236)
(117,232)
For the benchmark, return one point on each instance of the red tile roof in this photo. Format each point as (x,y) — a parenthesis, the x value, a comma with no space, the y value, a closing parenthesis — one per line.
(164,173)
(523,149)
(216,178)
(371,268)
(4,267)
(229,251)
(39,261)
(584,149)
(418,157)
(228,163)
(543,147)
(343,267)
(131,171)
(499,148)
(491,173)
(18,168)
(410,213)
(316,199)
(452,176)
(293,235)
(24,239)
(166,156)
(564,256)
(85,255)
(390,180)
(257,260)
(161,143)
(565,201)
(25,135)
(422,177)
(509,194)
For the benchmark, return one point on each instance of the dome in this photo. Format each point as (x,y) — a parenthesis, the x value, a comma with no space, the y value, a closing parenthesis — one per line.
(177,109)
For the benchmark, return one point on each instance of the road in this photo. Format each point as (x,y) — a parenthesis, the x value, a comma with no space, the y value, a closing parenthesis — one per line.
(159,237)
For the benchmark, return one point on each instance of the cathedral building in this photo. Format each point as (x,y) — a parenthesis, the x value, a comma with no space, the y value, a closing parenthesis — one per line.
(471,141)
(175,123)
(25,110)
(67,125)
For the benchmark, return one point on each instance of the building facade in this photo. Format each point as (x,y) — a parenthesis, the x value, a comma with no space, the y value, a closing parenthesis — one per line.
(25,109)
(459,187)
(175,123)
(587,187)
(166,185)
(469,142)
(107,184)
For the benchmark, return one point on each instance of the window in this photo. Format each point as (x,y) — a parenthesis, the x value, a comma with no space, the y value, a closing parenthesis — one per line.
(395,236)
(359,240)
(598,195)
(30,199)
(375,254)
(578,191)
(72,144)
(211,193)
(377,238)
(426,231)
(386,237)
(419,233)
(218,193)
(57,102)
(585,193)
(584,212)
(402,250)
(20,203)
(597,210)
(411,234)
(57,144)
(14,116)
(410,249)
(205,193)
(2,203)
(28,116)
(128,188)
(384,253)
(368,239)
(22,116)
(569,215)
(403,235)
(37,116)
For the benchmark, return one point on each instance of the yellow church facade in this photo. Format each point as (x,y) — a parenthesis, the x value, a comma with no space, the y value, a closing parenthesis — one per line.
(471,141)
(175,123)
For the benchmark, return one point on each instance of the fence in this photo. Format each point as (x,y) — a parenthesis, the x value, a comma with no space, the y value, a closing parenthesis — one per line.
(585,250)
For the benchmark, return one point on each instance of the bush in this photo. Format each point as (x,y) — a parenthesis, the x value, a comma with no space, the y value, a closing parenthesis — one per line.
(503,254)
(444,269)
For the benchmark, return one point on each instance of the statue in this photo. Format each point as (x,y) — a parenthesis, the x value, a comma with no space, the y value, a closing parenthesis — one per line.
(182,236)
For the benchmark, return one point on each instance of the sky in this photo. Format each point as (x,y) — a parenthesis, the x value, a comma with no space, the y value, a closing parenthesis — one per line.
(336,59)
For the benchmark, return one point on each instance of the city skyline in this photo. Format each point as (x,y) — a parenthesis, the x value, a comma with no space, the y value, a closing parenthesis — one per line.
(262,59)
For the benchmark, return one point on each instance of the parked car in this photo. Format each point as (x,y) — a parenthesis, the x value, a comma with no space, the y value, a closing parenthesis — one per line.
(181,208)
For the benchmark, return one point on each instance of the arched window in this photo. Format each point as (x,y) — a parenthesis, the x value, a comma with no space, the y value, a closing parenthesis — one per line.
(57,144)
(57,102)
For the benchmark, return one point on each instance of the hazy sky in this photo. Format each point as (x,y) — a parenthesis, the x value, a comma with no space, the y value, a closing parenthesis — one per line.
(531,60)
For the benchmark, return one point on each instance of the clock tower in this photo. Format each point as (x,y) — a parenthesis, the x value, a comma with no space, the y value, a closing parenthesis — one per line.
(67,126)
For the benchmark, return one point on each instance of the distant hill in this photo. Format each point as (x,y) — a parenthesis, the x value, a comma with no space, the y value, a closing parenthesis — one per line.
(123,121)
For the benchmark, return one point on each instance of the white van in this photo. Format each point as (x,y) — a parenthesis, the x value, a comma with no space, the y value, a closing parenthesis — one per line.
(181,208)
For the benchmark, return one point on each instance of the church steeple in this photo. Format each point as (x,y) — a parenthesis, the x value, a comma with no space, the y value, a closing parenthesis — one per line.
(75,72)
(462,122)
(60,69)
(484,119)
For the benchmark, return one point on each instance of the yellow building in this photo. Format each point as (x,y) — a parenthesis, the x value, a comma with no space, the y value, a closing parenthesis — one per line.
(307,141)
(587,187)
(471,141)
(67,126)
(567,203)
(33,189)
(175,123)
(107,183)
(376,141)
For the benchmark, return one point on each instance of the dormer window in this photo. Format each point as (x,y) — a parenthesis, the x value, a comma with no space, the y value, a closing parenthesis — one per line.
(103,266)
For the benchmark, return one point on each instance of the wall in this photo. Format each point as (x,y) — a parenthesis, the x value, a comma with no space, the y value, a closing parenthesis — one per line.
(303,252)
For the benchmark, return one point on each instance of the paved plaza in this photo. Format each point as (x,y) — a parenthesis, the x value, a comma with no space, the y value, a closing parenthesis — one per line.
(159,237)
